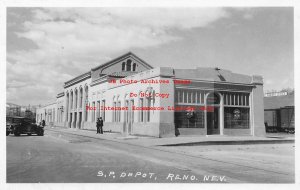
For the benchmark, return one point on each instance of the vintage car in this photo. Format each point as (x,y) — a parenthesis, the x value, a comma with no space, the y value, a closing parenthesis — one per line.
(22,125)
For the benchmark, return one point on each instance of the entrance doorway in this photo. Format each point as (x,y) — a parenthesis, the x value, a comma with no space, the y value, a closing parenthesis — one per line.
(213,122)
(80,119)
(70,123)
(213,113)
(75,120)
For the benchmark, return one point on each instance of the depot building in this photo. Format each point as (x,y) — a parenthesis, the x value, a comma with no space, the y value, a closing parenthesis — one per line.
(159,102)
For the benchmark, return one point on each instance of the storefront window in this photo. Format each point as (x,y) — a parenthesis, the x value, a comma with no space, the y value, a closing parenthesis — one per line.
(185,119)
(236,118)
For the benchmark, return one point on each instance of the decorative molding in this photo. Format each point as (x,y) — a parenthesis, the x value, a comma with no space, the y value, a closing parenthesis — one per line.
(77,79)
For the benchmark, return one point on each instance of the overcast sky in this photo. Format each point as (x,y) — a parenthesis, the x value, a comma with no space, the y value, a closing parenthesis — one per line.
(48,46)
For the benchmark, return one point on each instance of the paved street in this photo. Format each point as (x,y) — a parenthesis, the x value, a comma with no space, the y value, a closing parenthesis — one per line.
(64,157)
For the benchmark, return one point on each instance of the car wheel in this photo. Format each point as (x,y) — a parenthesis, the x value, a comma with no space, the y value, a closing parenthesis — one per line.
(7,133)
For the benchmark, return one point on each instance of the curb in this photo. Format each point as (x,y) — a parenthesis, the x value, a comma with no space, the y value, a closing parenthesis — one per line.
(241,142)
(195,143)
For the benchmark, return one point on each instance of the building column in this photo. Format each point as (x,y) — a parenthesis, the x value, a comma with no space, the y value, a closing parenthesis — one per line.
(257,107)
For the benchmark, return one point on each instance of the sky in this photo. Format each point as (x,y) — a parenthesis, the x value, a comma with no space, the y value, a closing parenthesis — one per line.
(48,46)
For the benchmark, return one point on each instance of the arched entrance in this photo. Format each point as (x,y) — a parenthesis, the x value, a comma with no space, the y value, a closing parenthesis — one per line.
(213,116)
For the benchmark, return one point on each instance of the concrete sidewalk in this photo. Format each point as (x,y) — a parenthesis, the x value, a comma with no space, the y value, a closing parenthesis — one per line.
(178,141)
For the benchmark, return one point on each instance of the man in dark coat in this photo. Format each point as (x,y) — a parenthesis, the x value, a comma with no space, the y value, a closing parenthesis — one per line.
(99,125)
(43,123)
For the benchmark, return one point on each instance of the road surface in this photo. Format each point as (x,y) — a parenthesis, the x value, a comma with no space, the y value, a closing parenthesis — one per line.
(60,157)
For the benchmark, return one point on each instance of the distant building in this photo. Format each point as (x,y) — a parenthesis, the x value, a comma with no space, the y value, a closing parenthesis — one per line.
(213,101)
(23,111)
(279,93)
(13,109)
(280,111)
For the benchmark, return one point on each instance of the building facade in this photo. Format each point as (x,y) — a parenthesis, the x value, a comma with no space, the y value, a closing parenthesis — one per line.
(134,98)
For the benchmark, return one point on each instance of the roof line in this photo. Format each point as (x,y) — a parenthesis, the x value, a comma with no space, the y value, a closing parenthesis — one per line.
(77,77)
(116,59)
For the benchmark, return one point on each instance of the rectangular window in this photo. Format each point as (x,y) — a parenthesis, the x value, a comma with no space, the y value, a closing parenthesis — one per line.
(202,97)
(236,118)
(231,99)
(196,121)
(247,100)
(193,97)
(179,96)
(242,100)
(189,96)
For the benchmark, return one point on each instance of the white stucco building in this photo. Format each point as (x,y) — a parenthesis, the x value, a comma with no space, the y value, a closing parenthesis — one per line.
(200,101)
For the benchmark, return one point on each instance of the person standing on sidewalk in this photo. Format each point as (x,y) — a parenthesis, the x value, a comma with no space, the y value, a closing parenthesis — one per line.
(98,125)
(101,125)
(43,123)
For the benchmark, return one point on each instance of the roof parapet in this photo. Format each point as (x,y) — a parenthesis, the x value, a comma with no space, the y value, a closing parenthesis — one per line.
(257,79)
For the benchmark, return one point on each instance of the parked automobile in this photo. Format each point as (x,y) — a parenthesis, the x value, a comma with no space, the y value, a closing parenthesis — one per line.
(22,125)
(11,122)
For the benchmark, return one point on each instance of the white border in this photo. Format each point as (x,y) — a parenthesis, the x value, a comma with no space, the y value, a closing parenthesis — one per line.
(139,3)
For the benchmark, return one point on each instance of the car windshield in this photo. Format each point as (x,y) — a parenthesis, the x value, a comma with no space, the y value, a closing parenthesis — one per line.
(27,120)
(13,120)
(16,120)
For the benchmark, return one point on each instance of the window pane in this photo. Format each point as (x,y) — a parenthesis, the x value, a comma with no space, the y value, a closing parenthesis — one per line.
(196,121)
(189,94)
(236,118)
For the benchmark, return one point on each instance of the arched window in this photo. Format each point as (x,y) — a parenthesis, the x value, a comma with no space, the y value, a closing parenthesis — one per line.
(71,103)
(141,112)
(148,104)
(123,66)
(213,98)
(128,65)
(80,100)
(76,98)
(134,67)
